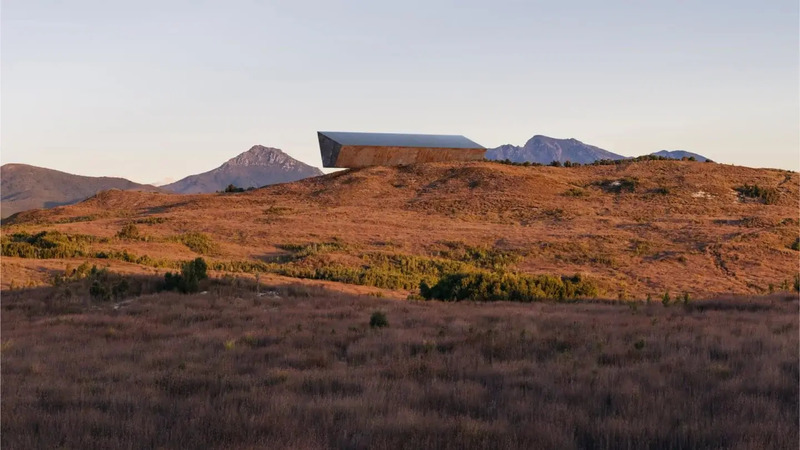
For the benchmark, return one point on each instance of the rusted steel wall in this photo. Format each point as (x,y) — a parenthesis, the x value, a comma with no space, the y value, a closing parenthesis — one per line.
(365,156)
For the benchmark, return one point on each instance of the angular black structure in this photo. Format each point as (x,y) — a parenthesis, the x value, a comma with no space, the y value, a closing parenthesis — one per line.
(351,150)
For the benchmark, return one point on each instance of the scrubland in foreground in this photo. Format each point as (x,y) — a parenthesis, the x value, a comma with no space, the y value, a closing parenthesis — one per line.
(300,367)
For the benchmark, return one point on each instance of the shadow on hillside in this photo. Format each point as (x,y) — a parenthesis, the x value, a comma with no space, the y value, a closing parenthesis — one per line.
(164,208)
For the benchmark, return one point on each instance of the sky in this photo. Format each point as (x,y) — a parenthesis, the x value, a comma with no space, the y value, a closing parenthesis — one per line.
(158,90)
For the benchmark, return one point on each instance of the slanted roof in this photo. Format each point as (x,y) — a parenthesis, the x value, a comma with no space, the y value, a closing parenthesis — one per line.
(346,138)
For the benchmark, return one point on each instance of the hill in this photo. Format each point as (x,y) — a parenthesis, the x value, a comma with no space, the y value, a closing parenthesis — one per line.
(27,187)
(544,150)
(680,154)
(635,228)
(259,166)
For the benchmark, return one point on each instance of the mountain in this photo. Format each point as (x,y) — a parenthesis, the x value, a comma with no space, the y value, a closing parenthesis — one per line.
(256,167)
(28,187)
(544,150)
(679,154)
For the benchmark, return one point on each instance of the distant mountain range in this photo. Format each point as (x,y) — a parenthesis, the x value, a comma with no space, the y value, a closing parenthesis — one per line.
(28,187)
(259,166)
(544,150)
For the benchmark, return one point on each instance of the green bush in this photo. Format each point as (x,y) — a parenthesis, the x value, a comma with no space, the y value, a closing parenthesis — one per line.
(626,184)
(46,245)
(767,195)
(378,320)
(484,286)
(188,281)
(198,243)
(129,232)
(795,245)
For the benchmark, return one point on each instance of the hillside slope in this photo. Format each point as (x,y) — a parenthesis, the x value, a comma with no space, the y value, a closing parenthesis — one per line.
(27,187)
(636,228)
(259,166)
(544,150)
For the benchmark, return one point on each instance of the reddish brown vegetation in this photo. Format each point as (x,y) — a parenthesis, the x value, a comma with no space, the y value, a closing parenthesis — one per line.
(301,367)
(671,225)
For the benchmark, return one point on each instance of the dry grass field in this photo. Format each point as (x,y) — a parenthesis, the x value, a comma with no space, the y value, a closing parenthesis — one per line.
(300,367)
(589,357)
(634,229)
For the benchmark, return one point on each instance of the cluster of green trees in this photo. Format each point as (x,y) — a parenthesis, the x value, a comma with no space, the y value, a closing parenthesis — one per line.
(498,286)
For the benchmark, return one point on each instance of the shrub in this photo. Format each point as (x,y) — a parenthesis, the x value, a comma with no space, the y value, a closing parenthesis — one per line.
(188,280)
(767,195)
(795,245)
(555,164)
(626,184)
(665,299)
(231,188)
(45,245)
(129,232)
(198,243)
(484,286)
(151,220)
(484,257)
(378,320)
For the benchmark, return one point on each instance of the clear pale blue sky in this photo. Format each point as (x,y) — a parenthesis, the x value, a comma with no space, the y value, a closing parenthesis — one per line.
(153,90)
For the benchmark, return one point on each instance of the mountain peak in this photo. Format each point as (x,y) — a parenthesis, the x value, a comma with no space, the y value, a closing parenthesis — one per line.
(258,155)
(258,166)
(544,149)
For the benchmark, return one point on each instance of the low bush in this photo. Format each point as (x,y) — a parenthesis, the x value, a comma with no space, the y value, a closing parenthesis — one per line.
(46,245)
(198,243)
(129,232)
(478,256)
(378,320)
(767,195)
(151,220)
(484,286)
(626,184)
(188,280)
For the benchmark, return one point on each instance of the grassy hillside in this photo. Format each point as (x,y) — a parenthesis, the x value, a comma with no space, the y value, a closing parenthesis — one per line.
(27,187)
(632,229)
